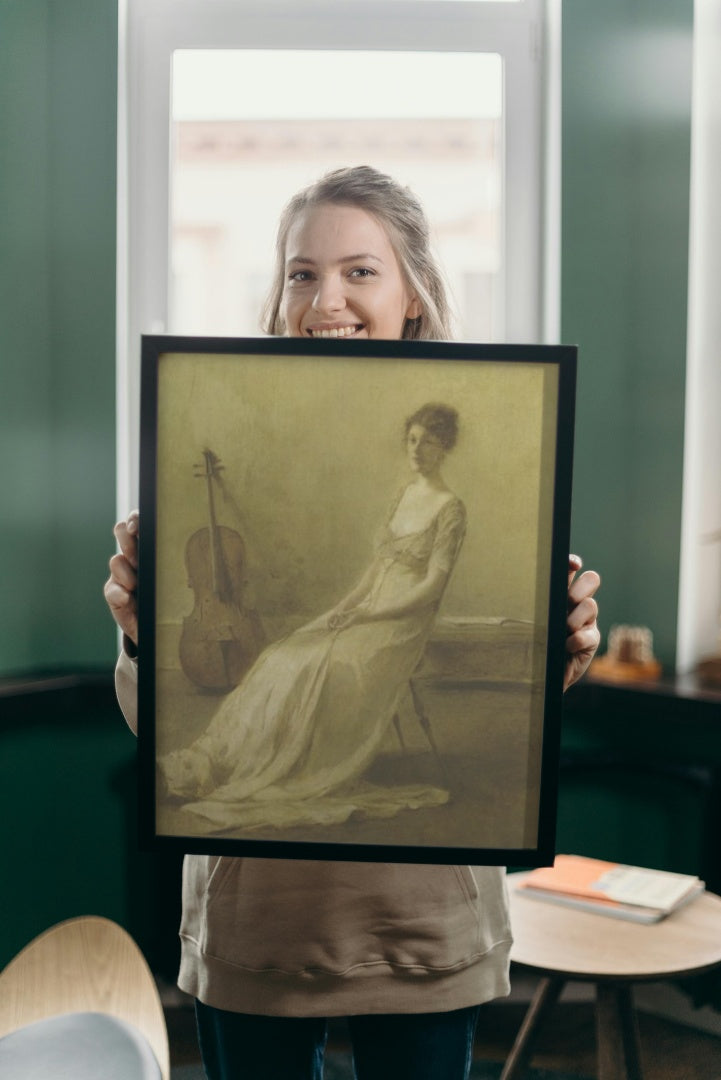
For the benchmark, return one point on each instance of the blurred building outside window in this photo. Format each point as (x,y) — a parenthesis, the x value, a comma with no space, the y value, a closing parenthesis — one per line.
(235,163)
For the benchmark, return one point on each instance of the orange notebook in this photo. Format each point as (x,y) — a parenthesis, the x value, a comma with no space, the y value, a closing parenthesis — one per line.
(632,892)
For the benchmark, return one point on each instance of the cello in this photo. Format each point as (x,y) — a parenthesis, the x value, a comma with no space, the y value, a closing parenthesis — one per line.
(220,639)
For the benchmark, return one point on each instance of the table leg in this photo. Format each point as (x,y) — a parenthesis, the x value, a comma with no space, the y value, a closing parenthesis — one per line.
(544,999)
(617,1033)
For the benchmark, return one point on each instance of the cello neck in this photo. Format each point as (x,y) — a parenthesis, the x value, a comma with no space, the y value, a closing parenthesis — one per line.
(212,466)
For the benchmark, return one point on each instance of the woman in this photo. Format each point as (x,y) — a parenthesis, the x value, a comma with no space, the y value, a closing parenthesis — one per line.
(271,948)
(288,745)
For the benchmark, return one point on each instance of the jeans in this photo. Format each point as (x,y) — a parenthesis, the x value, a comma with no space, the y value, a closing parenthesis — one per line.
(414,1046)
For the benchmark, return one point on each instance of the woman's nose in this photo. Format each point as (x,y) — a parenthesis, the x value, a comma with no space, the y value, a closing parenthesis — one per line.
(329,295)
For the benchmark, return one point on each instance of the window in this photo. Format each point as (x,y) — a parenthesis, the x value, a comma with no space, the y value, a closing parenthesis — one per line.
(227,107)
(236,160)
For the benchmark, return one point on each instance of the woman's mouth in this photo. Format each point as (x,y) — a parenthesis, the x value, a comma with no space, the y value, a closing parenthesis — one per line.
(335,331)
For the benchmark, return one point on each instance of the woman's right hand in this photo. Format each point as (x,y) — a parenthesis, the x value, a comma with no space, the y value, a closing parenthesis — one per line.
(338,618)
(341,617)
(121,587)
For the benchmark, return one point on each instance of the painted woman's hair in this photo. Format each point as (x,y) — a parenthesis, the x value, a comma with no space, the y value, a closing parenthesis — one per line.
(441,421)
(403,217)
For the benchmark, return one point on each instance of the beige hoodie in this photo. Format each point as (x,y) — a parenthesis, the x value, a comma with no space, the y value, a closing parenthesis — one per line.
(283,937)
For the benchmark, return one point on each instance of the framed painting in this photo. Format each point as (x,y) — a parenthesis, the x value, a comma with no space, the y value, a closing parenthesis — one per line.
(352,597)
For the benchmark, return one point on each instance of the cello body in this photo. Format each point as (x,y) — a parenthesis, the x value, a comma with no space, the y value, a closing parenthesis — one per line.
(220,638)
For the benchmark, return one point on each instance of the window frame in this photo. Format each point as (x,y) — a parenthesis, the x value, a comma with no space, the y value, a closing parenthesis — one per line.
(526,34)
(699,594)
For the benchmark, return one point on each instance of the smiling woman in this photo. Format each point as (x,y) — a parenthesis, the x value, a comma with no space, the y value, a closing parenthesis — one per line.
(343,277)
(353,258)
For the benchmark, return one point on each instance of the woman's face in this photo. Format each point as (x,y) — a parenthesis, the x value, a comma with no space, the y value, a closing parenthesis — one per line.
(425,452)
(342,277)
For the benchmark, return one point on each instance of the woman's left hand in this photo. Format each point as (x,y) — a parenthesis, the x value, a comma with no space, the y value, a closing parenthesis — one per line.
(339,620)
(583,635)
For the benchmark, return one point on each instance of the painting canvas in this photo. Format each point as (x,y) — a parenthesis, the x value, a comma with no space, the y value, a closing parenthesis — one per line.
(352,618)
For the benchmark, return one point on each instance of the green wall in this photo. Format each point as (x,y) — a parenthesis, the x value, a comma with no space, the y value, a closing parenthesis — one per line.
(58,73)
(626,145)
(68,801)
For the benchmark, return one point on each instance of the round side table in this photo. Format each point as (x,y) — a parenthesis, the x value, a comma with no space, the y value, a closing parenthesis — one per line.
(563,944)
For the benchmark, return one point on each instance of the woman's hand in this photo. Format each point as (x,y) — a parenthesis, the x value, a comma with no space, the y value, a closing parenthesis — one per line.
(121,587)
(340,618)
(583,635)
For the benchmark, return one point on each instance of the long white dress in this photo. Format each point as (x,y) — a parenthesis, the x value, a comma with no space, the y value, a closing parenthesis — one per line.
(289,745)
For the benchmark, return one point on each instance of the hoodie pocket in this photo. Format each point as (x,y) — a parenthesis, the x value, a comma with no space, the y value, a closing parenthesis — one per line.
(469,886)
(297,916)
(203,876)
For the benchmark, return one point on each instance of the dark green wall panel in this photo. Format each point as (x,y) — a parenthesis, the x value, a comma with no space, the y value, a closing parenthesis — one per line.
(68,799)
(626,146)
(67,847)
(58,78)
(26,483)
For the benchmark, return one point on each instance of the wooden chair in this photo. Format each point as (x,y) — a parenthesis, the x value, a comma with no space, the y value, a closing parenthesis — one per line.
(82,974)
(425,726)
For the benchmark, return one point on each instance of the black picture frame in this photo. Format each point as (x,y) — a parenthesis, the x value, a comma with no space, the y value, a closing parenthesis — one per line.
(266,467)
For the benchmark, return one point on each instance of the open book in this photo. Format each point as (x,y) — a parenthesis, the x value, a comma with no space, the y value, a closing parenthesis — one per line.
(608,888)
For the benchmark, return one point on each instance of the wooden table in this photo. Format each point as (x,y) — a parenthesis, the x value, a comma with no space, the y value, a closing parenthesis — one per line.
(563,944)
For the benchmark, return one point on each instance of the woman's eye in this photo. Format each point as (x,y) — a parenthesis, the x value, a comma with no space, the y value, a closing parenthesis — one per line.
(362,272)
(300,276)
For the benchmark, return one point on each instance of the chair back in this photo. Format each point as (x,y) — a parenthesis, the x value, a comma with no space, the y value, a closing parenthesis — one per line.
(87,964)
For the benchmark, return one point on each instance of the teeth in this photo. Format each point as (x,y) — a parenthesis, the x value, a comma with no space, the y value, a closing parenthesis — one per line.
(336,332)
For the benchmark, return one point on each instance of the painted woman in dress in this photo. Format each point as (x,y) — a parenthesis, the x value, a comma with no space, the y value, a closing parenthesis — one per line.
(290,744)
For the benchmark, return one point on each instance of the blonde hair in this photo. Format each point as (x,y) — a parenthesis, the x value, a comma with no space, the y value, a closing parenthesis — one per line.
(403,217)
